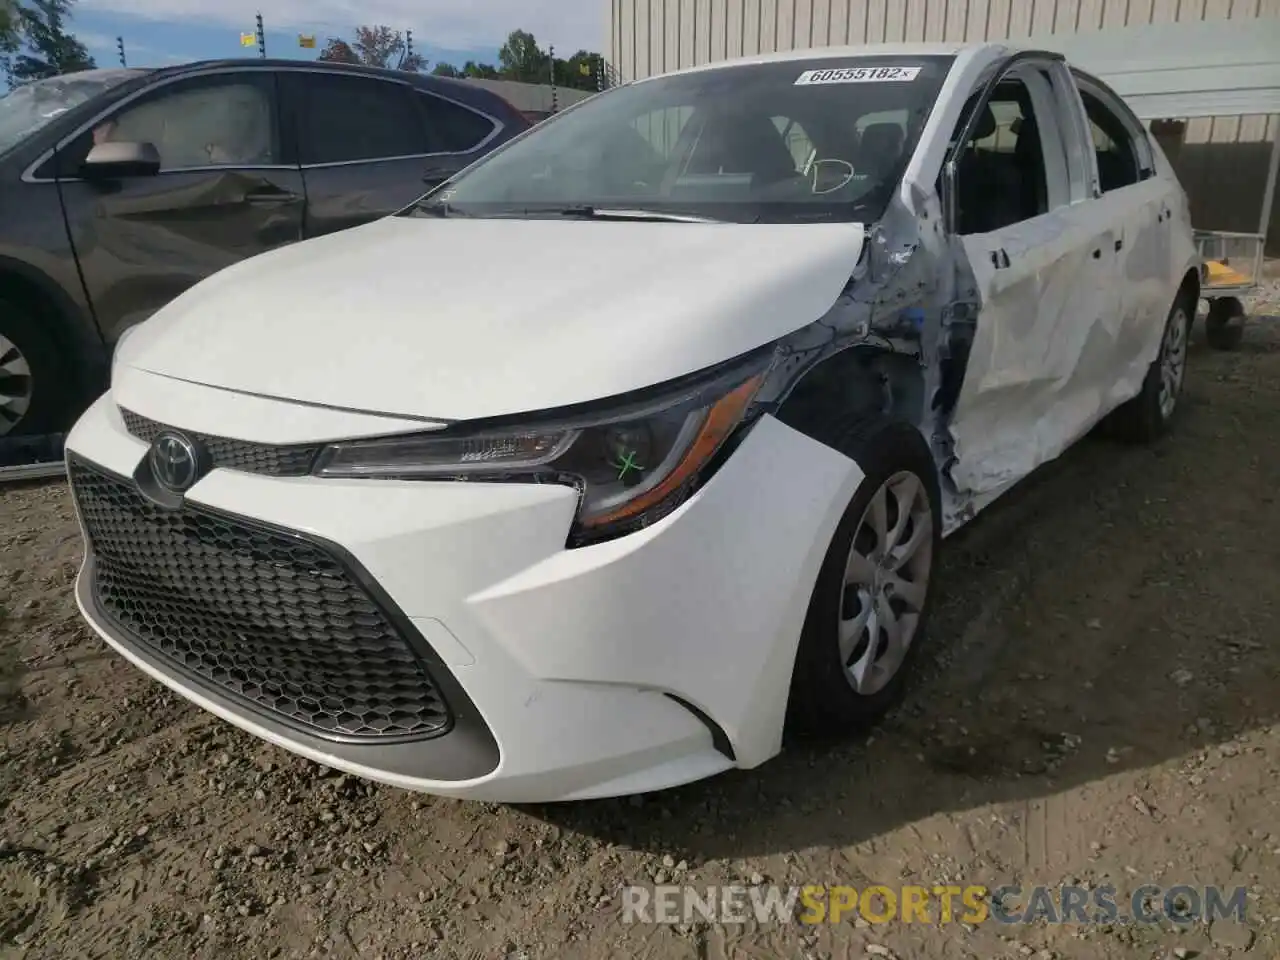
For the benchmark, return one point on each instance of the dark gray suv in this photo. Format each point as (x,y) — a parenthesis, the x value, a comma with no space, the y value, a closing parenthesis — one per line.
(119,189)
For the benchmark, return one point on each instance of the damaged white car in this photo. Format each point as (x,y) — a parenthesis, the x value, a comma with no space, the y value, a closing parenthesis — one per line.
(637,439)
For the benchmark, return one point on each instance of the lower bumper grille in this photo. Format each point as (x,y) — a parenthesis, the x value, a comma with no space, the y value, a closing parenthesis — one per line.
(273,620)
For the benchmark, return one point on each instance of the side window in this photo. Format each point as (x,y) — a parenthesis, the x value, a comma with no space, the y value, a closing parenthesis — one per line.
(348,119)
(1002,175)
(455,128)
(222,120)
(1112,145)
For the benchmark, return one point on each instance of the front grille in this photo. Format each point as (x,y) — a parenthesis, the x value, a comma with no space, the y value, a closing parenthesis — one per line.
(292,460)
(268,618)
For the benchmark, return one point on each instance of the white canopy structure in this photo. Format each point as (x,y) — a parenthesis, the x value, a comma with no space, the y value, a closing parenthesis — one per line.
(1204,68)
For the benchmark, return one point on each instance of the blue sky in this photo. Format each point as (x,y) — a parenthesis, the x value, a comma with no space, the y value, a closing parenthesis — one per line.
(157,32)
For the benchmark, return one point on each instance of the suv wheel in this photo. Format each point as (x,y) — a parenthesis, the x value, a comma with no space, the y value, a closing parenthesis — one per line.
(34,386)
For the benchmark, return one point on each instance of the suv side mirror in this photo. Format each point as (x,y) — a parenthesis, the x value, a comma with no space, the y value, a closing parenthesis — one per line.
(108,161)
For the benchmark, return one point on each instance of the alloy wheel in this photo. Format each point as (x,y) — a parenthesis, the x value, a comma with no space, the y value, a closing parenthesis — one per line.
(886,581)
(1173,361)
(15,385)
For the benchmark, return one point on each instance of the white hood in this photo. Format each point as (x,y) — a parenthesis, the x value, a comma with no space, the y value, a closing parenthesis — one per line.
(459,319)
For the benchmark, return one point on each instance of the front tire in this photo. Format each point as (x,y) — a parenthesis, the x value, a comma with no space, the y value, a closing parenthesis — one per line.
(35,388)
(871,601)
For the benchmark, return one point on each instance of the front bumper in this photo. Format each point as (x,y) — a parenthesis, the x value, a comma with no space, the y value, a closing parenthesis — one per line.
(632,665)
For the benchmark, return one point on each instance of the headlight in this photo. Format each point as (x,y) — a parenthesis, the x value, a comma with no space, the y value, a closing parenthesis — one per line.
(632,465)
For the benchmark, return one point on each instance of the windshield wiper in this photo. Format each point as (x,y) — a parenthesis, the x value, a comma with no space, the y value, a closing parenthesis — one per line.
(436,208)
(588,212)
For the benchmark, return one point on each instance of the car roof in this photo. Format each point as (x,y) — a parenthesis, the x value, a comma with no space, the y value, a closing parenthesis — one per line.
(471,94)
(841,53)
(947,49)
(280,63)
(98,73)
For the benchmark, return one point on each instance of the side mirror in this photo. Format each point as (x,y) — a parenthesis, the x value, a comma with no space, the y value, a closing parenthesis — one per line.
(950,210)
(108,161)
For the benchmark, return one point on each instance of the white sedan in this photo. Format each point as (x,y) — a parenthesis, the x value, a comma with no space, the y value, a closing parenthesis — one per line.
(635,441)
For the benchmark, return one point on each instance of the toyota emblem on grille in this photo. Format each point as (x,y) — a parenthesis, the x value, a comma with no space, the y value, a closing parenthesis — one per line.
(175,462)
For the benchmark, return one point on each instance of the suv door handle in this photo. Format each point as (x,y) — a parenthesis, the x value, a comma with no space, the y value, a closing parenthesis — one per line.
(999,259)
(269,197)
(1119,245)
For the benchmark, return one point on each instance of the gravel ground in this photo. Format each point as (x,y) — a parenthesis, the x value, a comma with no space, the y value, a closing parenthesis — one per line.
(1101,707)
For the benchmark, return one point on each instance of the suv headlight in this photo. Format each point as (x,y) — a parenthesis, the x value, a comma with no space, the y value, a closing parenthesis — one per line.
(632,464)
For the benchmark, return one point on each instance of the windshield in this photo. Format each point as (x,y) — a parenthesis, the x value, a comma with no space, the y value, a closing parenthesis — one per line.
(27,108)
(820,138)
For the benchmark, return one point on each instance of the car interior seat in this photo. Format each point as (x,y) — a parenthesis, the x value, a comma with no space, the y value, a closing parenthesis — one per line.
(746,145)
(989,190)
(1114,170)
(1028,152)
(880,149)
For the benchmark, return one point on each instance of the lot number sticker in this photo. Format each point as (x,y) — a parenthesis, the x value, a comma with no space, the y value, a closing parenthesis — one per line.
(858,75)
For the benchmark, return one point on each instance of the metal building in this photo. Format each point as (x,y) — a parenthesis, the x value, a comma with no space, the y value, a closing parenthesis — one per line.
(1222,160)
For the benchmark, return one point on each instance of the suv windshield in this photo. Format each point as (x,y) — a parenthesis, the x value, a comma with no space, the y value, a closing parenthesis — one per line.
(823,138)
(27,108)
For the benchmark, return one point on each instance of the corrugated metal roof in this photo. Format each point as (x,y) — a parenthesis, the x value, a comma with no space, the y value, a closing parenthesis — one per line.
(1188,69)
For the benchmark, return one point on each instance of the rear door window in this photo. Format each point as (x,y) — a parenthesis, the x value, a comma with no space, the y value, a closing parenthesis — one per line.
(347,119)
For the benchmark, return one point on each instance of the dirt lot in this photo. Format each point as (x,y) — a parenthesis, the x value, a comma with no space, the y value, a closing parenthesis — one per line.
(1102,707)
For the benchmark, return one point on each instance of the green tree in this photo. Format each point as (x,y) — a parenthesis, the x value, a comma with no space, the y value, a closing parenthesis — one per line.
(374,46)
(43,47)
(579,71)
(480,71)
(338,51)
(522,59)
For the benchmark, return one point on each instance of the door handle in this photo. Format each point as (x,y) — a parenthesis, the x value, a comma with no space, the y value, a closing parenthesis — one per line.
(1097,253)
(269,197)
(1119,245)
(999,259)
